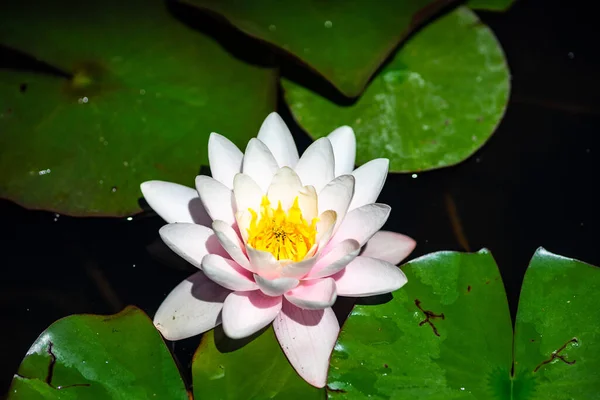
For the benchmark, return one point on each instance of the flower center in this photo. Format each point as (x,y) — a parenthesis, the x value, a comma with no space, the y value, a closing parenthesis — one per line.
(286,235)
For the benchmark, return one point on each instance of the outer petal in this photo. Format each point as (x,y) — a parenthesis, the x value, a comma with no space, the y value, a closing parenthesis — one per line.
(316,166)
(361,224)
(174,202)
(263,263)
(370,178)
(190,241)
(367,276)
(343,142)
(313,295)
(337,196)
(307,338)
(277,286)
(225,159)
(389,246)
(276,135)
(232,244)
(193,307)
(259,163)
(335,260)
(217,199)
(245,313)
(227,273)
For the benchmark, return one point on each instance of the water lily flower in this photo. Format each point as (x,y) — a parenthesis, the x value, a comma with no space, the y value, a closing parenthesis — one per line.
(277,238)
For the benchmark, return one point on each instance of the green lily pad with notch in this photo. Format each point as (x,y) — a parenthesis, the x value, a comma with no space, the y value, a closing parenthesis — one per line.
(448,335)
(146,93)
(438,100)
(251,369)
(120,356)
(344,41)
(490,5)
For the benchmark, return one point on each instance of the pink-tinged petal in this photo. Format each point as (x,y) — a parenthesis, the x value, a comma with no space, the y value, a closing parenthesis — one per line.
(298,269)
(335,260)
(276,135)
(361,224)
(367,276)
(217,199)
(337,196)
(225,159)
(343,142)
(316,165)
(389,246)
(369,180)
(313,295)
(307,338)
(191,242)
(259,163)
(284,188)
(227,273)
(263,263)
(277,286)
(193,307)
(230,241)
(245,313)
(174,202)
(247,193)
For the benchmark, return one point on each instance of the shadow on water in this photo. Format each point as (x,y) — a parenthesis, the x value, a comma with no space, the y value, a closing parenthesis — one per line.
(533,184)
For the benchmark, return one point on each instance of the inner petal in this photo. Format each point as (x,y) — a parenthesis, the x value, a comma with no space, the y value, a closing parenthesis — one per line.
(287,235)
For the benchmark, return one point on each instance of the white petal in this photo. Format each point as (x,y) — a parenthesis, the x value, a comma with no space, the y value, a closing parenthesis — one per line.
(284,188)
(217,199)
(276,135)
(389,246)
(335,260)
(259,163)
(245,313)
(231,242)
(247,193)
(307,338)
(325,227)
(361,224)
(298,269)
(337,196)
(227,273)
(193,307)
(316,165)
(369,180)
(313,295)
(263,263)
(343,142)
(174,202)
(367,276)
(191,242)
(277,286)
(308,203)
(225,159)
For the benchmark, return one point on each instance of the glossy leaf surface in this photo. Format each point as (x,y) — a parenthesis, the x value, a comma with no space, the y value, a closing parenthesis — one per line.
(146,92)
(437,101)
(246,369)
(490,5)
(344,41)
(120,356)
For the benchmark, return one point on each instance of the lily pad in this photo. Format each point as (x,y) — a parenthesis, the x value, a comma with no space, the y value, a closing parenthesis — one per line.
(447,334)
(344,41)
(490,5)
(438,100)
(252,369)
(121,356)
(145,93)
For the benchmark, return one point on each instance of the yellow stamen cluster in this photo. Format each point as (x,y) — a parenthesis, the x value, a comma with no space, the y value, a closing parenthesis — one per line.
(286,235)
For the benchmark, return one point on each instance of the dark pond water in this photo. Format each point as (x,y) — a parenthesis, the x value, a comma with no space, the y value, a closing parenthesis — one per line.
(533,184)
